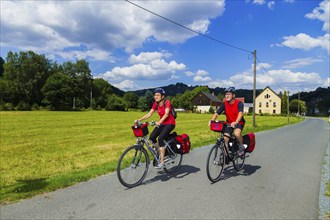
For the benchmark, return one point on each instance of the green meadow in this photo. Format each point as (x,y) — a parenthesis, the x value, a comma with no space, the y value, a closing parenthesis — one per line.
(42,151)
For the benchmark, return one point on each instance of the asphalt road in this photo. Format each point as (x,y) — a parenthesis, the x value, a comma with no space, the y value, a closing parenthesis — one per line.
(281,180)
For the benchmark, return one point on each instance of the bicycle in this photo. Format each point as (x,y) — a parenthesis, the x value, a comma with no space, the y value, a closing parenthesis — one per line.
(216,157)
(133,164)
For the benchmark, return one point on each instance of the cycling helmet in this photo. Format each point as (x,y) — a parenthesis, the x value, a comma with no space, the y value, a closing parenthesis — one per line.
(230,89)
(159,90)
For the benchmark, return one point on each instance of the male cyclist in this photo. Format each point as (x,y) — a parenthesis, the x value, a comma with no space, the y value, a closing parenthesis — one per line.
(233,109)
(165,124)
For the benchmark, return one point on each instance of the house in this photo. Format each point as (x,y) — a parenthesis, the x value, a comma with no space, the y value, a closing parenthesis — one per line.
(247,106)
(204,100)
(268,102)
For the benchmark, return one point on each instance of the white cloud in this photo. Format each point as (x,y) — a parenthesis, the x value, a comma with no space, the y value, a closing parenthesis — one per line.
(289,1)
(259,2)
(53,26)
(127,85)
(271,4)
(306,42)
(277,79)
(202,79)
(321,13)
(297,63)
(200,76)
(146,66)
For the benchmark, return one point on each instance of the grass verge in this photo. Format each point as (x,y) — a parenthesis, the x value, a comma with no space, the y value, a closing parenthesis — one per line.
(42,151)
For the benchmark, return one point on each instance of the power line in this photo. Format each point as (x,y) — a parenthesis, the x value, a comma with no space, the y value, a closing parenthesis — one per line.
(189,29)
(267,71)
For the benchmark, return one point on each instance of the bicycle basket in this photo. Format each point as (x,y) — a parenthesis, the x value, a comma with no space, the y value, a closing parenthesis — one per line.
(217,126)
(140,131)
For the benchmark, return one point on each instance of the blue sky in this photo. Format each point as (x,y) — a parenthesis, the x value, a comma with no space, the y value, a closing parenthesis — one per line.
(134,49)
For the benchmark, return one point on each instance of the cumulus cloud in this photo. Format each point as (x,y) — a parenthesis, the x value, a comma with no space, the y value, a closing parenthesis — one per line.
(201,76)
(127,85)
(53,26)
(321,13)
(146,66)
(259,2)
(271,4)
(306,42)
(277,79)
(297,63)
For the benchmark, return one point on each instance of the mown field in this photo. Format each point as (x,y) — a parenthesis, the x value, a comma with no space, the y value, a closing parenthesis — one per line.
(42,151)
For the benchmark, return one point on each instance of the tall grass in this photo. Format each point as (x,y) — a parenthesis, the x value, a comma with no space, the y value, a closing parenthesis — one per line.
(42,150)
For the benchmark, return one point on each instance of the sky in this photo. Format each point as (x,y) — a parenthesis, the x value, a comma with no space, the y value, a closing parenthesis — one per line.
(145,44)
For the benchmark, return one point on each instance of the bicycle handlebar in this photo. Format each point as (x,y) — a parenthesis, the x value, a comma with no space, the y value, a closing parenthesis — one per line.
(139,123)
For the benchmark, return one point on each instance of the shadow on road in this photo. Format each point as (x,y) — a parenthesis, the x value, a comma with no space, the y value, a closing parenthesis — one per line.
(184,170)
(247,170)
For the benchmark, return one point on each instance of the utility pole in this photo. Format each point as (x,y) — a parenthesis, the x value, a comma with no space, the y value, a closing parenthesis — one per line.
(288,107)
(254,87)
(298,102)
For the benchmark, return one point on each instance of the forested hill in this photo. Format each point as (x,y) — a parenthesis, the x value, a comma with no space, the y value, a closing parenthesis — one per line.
(180,88)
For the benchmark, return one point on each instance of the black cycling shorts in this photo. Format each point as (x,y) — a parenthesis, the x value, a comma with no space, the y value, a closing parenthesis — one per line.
(229,129)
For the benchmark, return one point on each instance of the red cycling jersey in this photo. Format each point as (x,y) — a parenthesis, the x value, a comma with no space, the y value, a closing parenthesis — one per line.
(170,120)
(232,112)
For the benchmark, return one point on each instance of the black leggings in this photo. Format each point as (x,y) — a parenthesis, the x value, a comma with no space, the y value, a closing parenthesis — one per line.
(161,132)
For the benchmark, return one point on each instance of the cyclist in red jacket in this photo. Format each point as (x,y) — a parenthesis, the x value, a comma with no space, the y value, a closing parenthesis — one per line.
(233,109)
(165,124)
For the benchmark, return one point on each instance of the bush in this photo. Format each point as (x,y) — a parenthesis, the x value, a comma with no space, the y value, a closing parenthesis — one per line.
(7,107)
(22,106)
(35,107)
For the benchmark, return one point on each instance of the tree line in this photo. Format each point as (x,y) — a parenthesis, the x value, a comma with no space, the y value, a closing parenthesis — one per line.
(30,81)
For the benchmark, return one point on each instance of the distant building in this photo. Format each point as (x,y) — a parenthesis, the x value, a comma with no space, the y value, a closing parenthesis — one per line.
(268,102)
(204,100)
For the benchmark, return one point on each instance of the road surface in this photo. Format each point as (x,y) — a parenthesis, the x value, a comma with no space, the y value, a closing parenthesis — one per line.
(281,180)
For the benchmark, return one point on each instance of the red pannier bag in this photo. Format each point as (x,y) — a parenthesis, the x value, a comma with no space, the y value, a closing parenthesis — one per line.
(250,140)
(182,144)
(140,131)
(217,126)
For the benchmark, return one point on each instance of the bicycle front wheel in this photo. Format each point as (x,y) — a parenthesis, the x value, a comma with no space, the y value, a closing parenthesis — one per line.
(238,161)
(215,162)
(172,161)
(133,166)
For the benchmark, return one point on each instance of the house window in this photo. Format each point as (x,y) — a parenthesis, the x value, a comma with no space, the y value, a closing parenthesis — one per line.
(267,104)
(260,104)
(274,111)
(274,104)
(267,96)
(260,111)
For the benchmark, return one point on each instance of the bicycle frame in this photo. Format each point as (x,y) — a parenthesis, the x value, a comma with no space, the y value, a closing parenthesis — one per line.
(144,141)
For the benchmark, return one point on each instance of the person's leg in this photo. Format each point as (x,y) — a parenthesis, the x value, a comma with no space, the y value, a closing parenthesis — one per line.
(227,133)
(163,134)
(239,138)
(238,135)
(154,134)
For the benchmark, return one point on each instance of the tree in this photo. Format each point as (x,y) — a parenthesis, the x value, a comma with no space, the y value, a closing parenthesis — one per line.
(101,91)
(58,92)
(29,72)
(302,109)
(284,103)
(115,103)
(81,77)
(2,62)
(143,106)
(131,100)
(149,98)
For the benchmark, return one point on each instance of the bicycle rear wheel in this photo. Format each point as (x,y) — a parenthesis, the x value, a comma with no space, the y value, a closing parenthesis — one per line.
(172,161)
(215,162)
(133,166)
(238,161)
